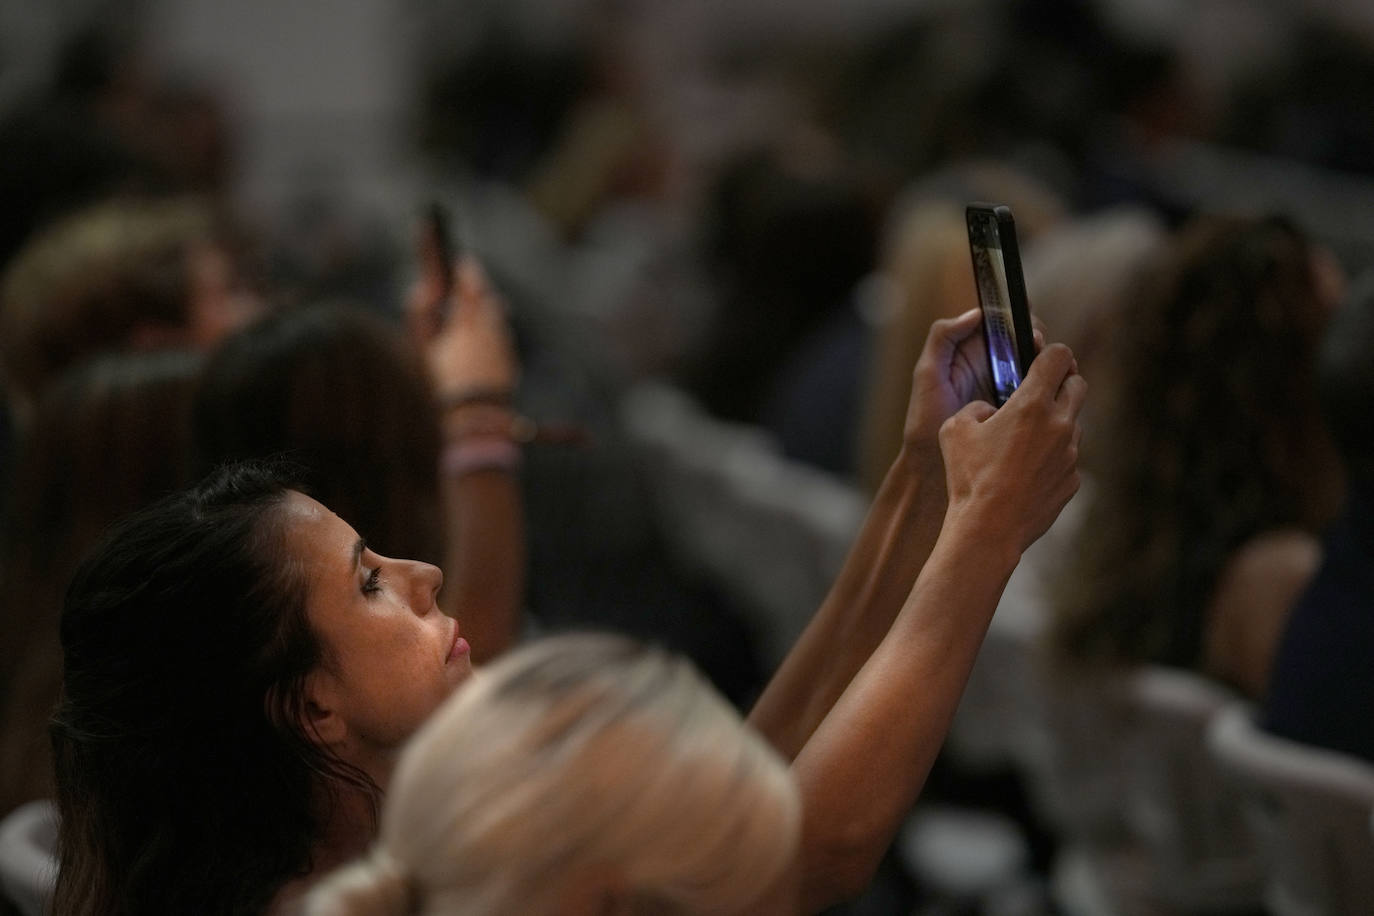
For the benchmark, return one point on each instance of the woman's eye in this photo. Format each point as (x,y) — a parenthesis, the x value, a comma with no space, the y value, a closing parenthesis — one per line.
(373,582)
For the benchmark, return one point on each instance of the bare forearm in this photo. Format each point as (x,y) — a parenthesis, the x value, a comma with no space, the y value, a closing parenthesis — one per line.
(893,544)
(864,766)
(485,562)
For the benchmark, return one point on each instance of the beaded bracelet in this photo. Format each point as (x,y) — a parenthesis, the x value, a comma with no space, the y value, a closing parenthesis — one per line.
(505,425)
(466,397)
(479,453)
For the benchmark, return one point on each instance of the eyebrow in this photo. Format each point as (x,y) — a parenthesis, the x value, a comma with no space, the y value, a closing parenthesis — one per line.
(358,549)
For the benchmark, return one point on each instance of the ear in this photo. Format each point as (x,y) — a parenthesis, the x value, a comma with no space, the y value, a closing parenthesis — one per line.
(321,711)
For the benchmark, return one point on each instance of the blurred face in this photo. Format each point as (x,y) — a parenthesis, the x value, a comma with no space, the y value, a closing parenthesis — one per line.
(219,302)
(1329,278)
(391,656)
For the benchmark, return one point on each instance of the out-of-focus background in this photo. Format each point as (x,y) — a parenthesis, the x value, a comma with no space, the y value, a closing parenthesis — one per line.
(722,229)
(317,110)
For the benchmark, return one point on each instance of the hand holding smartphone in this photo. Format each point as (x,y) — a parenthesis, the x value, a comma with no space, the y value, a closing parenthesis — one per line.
(1001,296)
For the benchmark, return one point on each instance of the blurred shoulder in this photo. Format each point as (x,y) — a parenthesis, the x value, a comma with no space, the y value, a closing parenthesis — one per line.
(1254,593)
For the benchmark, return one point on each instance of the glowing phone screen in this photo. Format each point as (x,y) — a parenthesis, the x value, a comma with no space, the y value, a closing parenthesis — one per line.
(991,273)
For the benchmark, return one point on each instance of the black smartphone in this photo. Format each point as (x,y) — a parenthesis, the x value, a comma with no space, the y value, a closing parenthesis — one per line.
(438,231)
(1001,295)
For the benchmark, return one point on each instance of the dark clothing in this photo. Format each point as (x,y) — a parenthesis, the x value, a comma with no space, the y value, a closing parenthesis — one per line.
(816,400)
(1321,689)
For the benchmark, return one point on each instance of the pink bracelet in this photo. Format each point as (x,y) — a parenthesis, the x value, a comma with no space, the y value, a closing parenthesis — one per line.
(466,397)
(479,453)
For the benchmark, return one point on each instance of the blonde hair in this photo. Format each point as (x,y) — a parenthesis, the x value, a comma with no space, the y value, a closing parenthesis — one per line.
(1083,270)
(572,754)
(930,276)
(1083,273)
(87,282)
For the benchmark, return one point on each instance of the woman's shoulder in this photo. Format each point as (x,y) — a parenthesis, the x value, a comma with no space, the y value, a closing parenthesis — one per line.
(1254,593)
(1283,557)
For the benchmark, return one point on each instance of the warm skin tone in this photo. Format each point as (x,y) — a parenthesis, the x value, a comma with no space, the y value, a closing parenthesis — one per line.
(863,702)
(391,654)
(465,348)
(469,349)
(1249,607)
(391,657)
(1010,472)
(217,304)
(896,539)
(875,679)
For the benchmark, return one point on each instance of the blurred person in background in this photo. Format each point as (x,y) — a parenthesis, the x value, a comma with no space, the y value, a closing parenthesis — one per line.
(1082,274)
(416,447)
(788,237)
(1320,691)
(73,141)
(1214,469)
(107,122)
(109,437)
(126,274)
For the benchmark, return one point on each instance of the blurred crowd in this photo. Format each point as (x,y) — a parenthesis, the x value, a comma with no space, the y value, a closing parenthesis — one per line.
(760,206)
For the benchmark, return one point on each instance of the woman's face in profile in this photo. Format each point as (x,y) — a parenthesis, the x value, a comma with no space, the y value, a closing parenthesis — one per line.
(390,655)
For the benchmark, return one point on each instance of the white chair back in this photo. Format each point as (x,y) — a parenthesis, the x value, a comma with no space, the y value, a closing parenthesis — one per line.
(1179,805)
(773,533)
(1311,808)
(1180,842)
(28,862)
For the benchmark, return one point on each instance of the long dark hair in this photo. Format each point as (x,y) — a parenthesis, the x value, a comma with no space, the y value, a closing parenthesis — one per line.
(1213,436)
(186,779)
(338,390)
(108,438)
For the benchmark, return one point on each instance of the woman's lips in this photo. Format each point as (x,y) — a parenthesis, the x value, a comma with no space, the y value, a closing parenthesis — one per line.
(459,647)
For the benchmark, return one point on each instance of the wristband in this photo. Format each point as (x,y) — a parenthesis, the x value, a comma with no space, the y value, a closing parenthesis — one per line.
(466,397)
(479,453)
(499,425)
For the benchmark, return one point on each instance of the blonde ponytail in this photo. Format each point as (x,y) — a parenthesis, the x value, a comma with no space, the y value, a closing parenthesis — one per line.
(376,885)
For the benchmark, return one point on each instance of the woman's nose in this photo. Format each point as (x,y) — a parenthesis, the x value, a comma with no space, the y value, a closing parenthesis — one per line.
(427,580)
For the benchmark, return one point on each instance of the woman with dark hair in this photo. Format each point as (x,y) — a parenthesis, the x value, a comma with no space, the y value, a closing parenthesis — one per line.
(242,670)
(192,773)
(1321,688)
(107,438)
(1215,469)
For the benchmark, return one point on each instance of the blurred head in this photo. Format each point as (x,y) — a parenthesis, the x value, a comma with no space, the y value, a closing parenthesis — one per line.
(122,275)
(1083,272)
(787,239)
(339,391)
(579,774)
(107,438)
(1210,435)
(236,661)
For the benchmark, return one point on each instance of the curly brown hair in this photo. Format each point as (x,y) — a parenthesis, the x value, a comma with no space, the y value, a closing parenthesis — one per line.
(1211,436)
